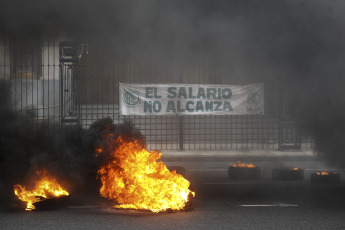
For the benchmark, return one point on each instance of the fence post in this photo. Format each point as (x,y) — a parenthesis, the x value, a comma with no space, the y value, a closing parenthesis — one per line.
(180,118)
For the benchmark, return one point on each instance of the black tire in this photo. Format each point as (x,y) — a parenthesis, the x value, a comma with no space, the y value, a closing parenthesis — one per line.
(244,173)
(287,174)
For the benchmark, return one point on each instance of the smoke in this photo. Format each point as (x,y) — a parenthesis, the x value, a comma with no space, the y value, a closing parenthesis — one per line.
(241,34)
(66,152)
(290,44)
(26,147)
(103,134)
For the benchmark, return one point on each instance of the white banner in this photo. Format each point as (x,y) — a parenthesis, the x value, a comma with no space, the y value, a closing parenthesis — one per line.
(191,99)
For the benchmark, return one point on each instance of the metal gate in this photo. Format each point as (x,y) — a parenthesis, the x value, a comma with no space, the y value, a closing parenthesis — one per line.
(192,133)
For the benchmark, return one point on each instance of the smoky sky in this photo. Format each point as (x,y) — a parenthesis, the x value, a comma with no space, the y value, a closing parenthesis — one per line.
(298,45)
(221,29)
(292,42)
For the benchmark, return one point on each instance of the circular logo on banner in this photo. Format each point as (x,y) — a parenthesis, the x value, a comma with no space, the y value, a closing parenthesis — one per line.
(253,99)
(131,97)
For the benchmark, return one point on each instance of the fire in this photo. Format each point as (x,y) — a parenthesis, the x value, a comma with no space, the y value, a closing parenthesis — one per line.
(323,173)
(243,165)
(98,151)
(47,187)
(294,169)
(135,180)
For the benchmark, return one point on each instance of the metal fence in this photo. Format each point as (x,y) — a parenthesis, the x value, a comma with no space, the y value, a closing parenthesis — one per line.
(32,73)
(65,83)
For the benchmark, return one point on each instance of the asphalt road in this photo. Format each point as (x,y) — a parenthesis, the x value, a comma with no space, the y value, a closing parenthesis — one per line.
(220,203)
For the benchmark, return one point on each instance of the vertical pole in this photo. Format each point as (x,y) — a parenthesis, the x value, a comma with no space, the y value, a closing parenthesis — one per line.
(61,89)
(180,119)
(76,89)
(281,109)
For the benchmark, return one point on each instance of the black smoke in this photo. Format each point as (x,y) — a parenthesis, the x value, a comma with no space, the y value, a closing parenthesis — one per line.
(66,152)
(26,147)
(295,45)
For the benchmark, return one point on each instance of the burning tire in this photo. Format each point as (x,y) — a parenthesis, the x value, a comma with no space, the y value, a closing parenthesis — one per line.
(288,174)
(242,173)
(325,177)
(238,171)
(134,179)
(53,203)
(47,193)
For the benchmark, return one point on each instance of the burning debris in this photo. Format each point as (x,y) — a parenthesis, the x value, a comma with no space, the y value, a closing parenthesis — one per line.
(323,173)
(325,177)
(116,154)
(243,171)
(238,164)
(136,180)
(45,188)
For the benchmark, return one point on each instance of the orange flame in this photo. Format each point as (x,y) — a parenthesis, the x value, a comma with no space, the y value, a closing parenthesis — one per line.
(294,169)
(136,180)
(47,187)
(323,173)
(242,165)
(98,151)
